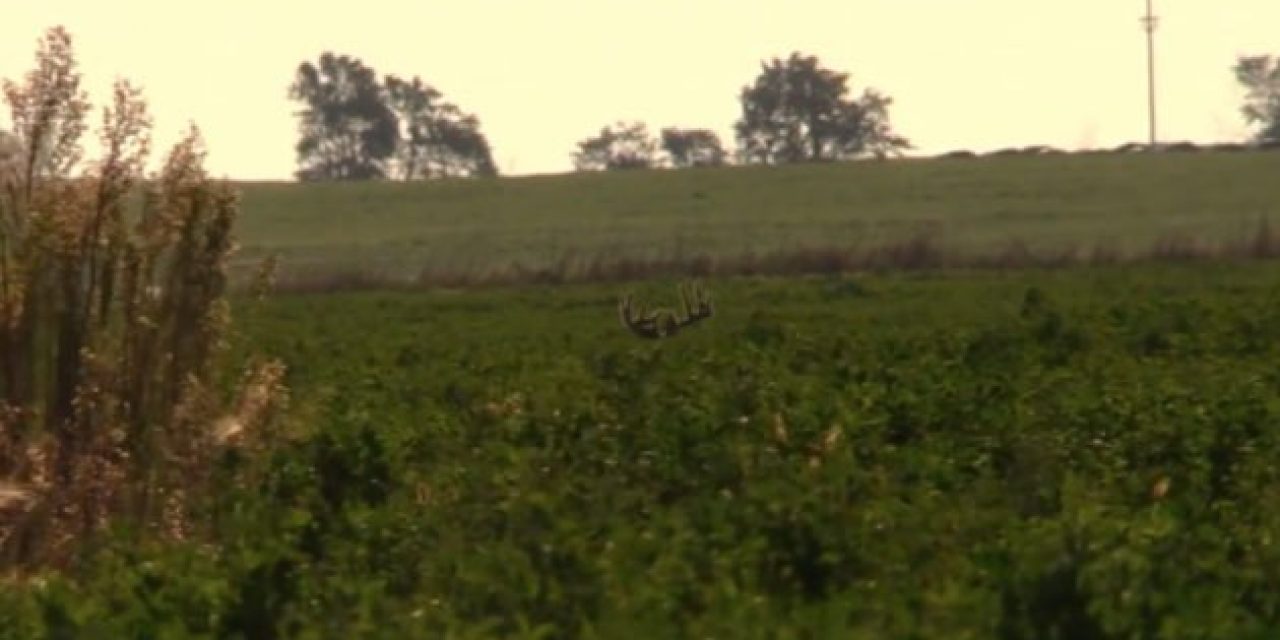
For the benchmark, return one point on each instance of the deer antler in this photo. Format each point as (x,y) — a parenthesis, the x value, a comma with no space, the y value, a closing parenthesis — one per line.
(695,305)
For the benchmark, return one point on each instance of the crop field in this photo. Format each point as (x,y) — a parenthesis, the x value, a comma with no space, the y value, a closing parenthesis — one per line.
(1075,454)
(1080,202)
(1032,395)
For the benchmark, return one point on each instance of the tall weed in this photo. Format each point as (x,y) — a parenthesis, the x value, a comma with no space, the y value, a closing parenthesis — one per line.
(112,317)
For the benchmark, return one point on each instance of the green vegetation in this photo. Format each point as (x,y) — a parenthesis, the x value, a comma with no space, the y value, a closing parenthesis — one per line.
(1121,202)
(1260,78)
(1070,454)
(353,127)
(1084,454)
(797,110)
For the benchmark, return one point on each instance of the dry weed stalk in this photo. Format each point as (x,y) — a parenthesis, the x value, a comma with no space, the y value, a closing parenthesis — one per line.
(112,316)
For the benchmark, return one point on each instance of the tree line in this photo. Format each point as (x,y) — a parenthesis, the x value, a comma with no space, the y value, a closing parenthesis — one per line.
(354,127)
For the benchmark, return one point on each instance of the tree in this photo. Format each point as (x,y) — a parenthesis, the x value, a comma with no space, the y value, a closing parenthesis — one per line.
(622,146)
(348,132)
(414,105)
(1260,76)
(436,139)
(799,111)
(693,147)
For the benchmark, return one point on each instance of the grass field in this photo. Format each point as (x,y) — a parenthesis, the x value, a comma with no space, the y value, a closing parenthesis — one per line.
(1080,454)
(1116,202)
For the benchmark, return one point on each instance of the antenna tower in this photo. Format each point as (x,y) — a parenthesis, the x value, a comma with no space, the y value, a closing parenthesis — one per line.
(1149,23)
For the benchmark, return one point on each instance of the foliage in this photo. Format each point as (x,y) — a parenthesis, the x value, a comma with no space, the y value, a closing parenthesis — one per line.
(437,138)
(799,111)
(621,146)
(353,128)
(1260,77)
(692,147)
(348,131)
(111,319)
(1080,454)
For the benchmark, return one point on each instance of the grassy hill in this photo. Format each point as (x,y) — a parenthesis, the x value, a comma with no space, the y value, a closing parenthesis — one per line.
(1120,202)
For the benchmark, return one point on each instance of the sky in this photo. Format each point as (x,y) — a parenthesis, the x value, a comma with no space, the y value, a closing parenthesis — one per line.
(544,74)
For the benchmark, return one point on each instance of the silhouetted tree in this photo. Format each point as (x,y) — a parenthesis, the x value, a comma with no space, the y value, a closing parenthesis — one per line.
(348,132)
(798,111)
(414,105)
(436,138)
(693,147)
(460,149)
(622,146)
(1260,76)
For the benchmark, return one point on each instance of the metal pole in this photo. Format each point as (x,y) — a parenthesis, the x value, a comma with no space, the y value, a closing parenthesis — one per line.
(1149,22)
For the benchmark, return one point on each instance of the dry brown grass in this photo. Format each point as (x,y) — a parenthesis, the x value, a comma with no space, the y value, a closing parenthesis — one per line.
(112,318)
(922,252)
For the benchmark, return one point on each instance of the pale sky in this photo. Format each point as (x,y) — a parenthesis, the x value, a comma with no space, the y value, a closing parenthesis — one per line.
(543,74)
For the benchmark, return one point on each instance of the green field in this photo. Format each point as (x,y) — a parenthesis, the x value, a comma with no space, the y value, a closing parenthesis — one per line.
(1016,397)
(1065,454)
(1120,202)
(1076,453)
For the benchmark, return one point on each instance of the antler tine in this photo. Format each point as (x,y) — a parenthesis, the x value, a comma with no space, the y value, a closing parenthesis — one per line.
(695,305)
(638,320)
(701,306)
(628,312)
(624,309)
(686,305)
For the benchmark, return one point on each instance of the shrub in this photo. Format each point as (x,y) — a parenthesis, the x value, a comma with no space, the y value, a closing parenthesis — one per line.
(112,317)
